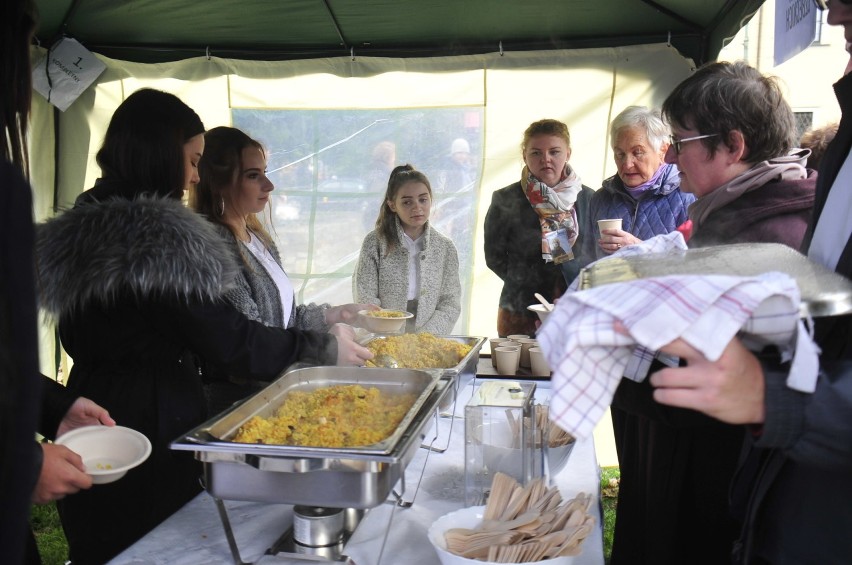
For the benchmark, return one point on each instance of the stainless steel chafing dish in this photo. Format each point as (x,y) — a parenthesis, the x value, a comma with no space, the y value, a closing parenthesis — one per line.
(345,477)
(823,292)
(466,368)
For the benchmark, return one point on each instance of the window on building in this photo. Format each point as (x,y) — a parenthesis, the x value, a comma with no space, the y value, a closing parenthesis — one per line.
(330,169)
(804,122)
(820,26)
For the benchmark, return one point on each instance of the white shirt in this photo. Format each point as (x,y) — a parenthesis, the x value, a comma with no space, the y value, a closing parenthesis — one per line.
(414,247)
(285,287)
(835,223)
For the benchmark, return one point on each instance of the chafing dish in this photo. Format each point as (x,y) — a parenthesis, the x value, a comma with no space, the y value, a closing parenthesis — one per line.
(344,477)
(467,365)
(466,368)
(823,292)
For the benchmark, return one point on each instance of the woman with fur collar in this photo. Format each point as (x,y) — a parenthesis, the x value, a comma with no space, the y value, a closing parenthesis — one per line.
(405,263)
(233,190)
(136,281)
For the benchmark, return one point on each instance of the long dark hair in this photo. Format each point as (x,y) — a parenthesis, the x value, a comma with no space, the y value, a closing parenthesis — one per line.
(16,29)
(386,222)
(220,170)
(143,146)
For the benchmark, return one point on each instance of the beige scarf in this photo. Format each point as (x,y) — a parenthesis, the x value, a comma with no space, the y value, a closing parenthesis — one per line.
(789,167)
(557,216)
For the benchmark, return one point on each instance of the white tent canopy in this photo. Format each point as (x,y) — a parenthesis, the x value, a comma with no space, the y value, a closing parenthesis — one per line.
(503,92)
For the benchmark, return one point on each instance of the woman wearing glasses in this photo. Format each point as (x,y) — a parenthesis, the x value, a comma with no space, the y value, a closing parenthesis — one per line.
(732,138)
(793,489)
(732,132)
(645,193)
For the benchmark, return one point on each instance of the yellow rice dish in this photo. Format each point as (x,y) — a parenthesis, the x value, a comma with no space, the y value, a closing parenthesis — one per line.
(335,416)
(420,351)
(386,314)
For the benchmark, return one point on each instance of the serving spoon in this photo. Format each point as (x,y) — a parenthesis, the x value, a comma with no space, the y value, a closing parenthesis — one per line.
(386,361)
(547,305)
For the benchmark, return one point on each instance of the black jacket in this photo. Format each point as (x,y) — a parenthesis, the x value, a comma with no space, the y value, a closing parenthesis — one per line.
(513,249)
(677,465)
(137,286)
(20,385)
(794,487)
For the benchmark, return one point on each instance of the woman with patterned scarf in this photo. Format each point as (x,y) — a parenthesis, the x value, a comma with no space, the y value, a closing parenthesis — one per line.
(534,228)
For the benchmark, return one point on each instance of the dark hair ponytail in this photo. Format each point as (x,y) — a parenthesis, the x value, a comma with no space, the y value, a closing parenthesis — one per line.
(386,222)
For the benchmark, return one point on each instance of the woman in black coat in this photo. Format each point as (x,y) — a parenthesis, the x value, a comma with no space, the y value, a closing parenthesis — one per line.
(136,280)
(526,220)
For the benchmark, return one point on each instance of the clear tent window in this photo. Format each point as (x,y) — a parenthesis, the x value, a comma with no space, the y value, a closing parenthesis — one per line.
(330,169)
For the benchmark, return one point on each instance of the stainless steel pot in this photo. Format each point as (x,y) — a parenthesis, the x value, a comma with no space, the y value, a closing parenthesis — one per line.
(351,477)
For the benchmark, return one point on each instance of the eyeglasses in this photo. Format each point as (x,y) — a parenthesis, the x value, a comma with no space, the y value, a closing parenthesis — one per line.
(676,143)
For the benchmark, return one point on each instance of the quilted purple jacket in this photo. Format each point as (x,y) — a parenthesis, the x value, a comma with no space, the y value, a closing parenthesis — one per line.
(660,209)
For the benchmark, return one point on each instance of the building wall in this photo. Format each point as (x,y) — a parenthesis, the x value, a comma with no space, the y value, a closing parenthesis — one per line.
(808,76)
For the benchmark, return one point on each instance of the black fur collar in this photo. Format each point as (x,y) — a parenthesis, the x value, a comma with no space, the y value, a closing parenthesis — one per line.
(100,250)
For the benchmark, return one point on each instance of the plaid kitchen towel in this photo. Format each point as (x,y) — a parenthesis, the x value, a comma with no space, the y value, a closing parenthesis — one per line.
(589,358)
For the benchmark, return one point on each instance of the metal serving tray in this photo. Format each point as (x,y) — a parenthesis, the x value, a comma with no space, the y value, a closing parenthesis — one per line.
(823,292)
(352,477)
(466,368)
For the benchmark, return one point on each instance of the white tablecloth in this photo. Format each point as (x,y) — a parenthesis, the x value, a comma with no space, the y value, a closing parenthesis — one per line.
(194,535)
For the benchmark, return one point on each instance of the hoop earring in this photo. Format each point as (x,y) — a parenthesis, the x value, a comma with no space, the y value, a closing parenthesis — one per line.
(221,210)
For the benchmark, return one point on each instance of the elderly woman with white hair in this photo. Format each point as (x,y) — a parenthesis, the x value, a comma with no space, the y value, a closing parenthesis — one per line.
(645,194)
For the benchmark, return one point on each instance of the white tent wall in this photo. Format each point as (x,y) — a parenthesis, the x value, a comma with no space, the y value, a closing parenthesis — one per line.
(583,88)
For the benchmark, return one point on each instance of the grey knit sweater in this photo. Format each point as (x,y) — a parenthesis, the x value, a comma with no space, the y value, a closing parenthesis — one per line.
(256,295)
(381,278)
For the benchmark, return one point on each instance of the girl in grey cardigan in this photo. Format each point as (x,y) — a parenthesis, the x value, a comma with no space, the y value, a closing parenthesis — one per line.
(406,264)
(232,191)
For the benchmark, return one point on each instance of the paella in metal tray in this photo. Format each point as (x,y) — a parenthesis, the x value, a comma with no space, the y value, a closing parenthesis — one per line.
(352,477)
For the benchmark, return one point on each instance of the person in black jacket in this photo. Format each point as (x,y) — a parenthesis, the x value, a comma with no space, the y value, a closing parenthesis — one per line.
(29,402)
(792,490)
(527,218)
(136,280)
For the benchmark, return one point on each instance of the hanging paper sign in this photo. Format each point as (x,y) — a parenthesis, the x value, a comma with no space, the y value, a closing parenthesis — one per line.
(795,27)
(67,71)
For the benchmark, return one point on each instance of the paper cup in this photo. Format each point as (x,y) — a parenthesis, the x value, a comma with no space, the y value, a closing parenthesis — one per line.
(525,344)
(513,337)
(538,364)
(494,343)
(507,360)
(611,224)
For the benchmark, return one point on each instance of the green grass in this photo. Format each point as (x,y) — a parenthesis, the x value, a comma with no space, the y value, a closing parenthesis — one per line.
(610,477)
(49,536)
(54,549)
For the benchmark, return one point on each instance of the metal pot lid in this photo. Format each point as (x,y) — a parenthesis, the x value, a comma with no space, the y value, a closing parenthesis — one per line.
(823,292)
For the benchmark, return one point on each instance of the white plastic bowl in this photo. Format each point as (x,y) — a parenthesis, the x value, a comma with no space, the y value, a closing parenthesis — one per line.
(500,456)
(383,325)
(540,310)
(468,518)
(107,452)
